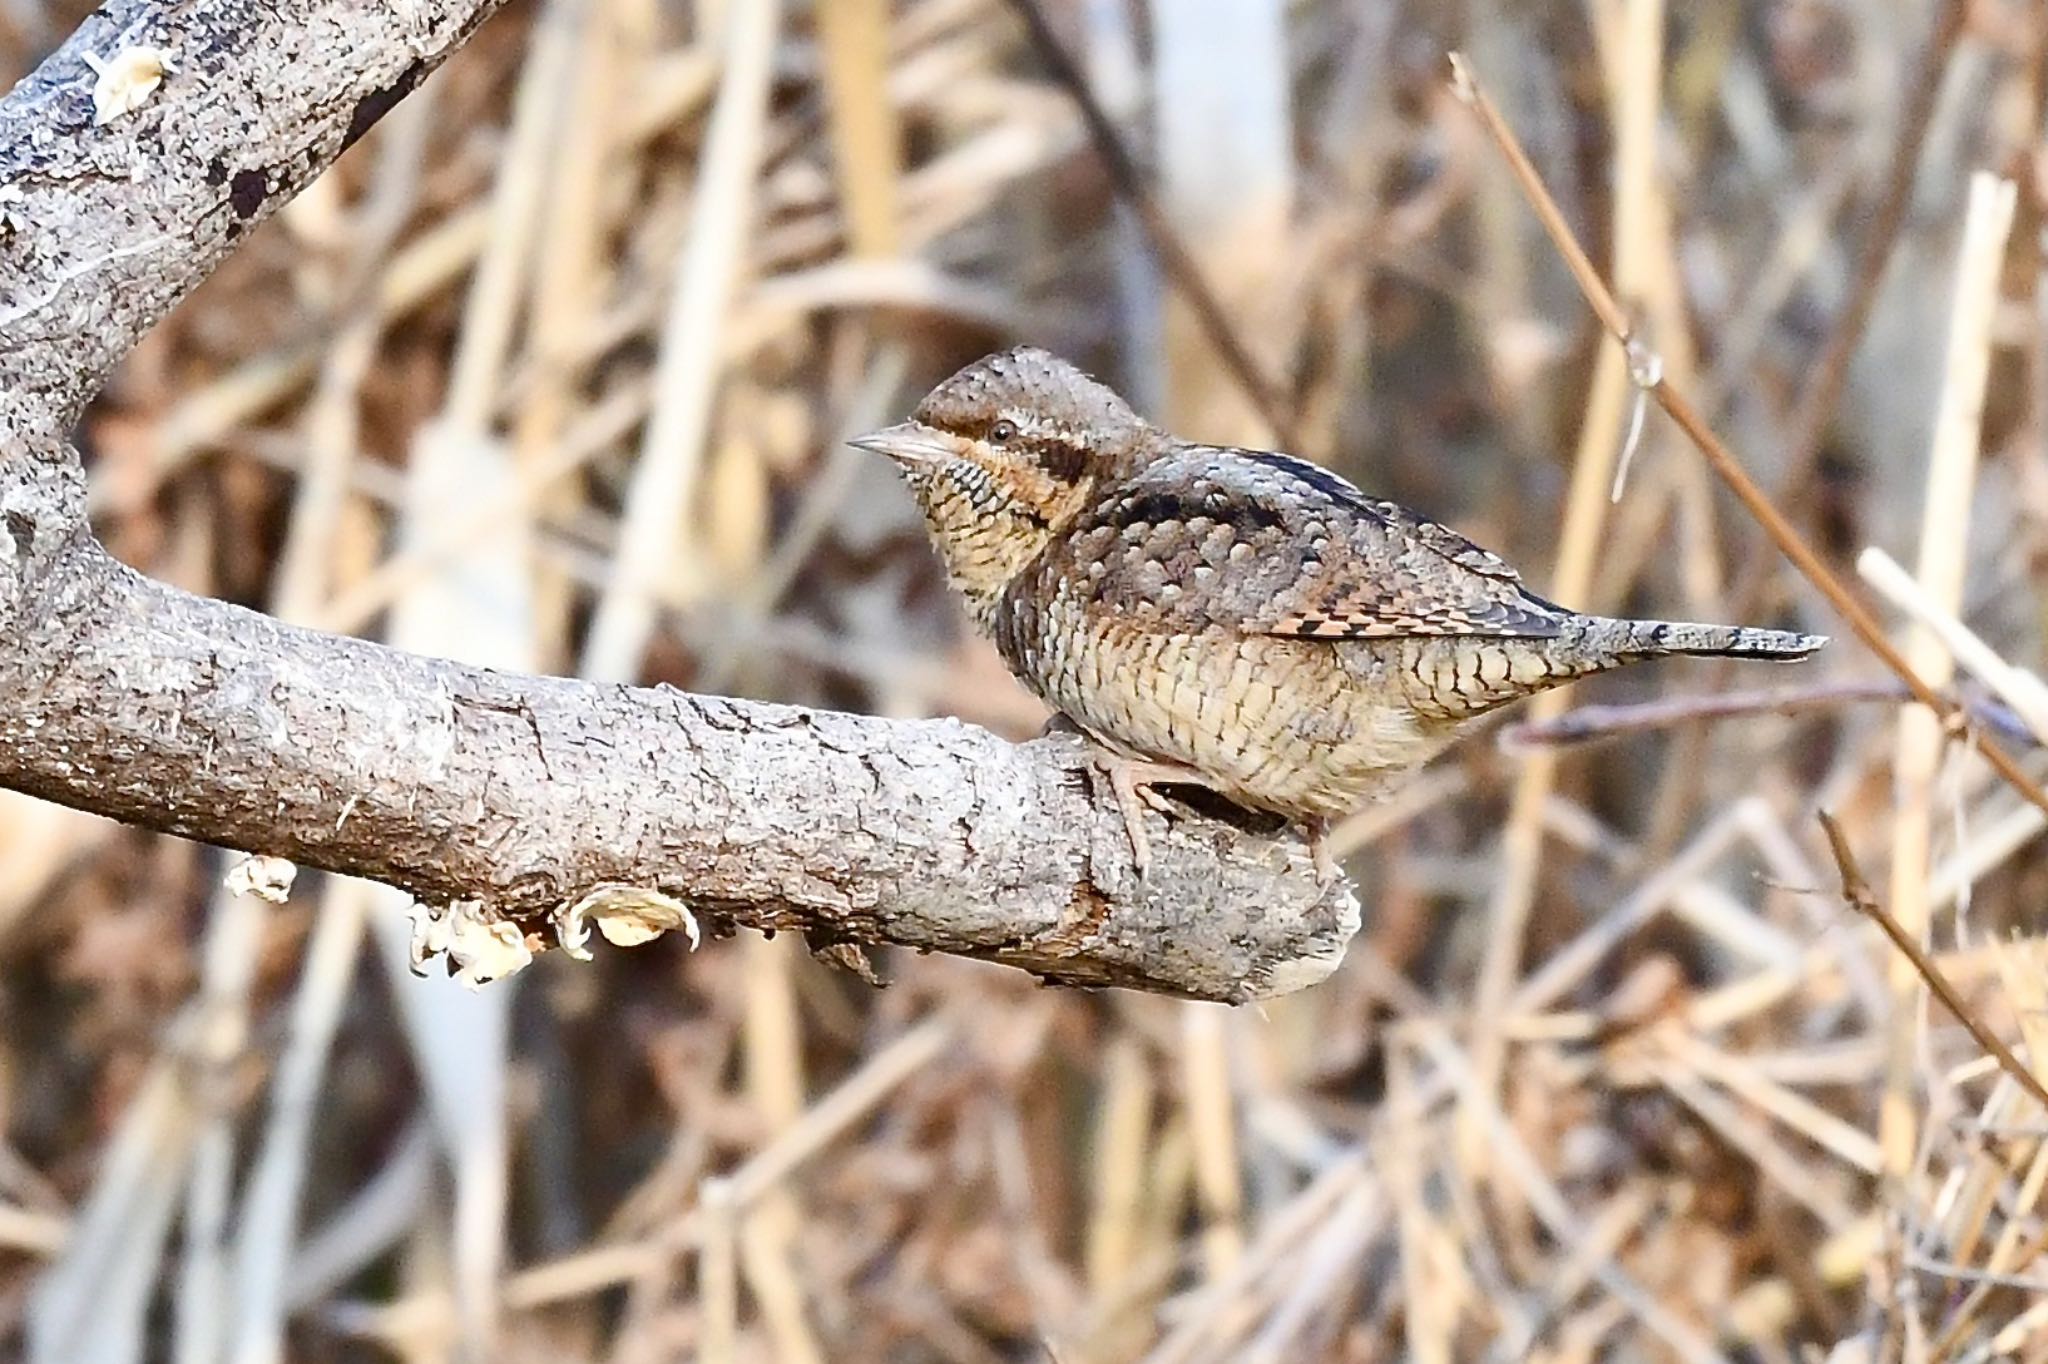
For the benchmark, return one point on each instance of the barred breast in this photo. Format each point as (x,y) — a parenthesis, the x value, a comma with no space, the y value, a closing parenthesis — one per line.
(1291,726)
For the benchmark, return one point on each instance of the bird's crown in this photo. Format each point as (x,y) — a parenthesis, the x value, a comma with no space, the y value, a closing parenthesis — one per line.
(1034,405)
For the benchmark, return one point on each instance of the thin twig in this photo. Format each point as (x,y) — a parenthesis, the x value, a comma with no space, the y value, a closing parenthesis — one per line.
(1857,892)
(853,37)
(2020,1241)
(427,265)
(855,1099)
(1123,1141)
(1210,1109)
(1174,256)
(1588,724)
(1282,1234)
(772,1040)
(1718,456)
(270,1206)
(718,1275)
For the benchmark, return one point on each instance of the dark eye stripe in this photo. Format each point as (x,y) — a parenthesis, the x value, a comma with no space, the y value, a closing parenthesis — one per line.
(1059,459)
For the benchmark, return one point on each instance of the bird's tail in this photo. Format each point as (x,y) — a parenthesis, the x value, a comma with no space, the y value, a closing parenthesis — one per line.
(1634,639)
(1456,678)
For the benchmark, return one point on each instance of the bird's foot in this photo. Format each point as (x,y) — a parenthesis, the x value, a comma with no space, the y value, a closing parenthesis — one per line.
(1134,780)
(1318,830)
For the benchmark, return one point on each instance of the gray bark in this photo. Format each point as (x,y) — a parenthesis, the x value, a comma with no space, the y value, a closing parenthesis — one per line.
(129,698)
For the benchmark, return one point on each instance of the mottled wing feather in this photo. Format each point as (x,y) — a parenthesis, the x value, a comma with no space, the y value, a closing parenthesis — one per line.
(1261,542)
(1440,539)
(1395,573)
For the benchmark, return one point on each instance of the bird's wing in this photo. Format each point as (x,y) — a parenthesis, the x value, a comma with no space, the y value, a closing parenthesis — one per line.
(1274,545)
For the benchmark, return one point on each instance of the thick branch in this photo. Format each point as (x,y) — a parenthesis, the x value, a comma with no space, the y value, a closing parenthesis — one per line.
(166,710)
(128,698)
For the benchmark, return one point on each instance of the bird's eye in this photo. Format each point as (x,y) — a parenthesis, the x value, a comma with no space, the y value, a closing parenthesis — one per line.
(1002,432)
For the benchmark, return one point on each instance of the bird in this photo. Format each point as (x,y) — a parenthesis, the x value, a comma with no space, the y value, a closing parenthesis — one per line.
(1239,620)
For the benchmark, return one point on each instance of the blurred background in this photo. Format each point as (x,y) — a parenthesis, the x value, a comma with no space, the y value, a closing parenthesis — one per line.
(553,372)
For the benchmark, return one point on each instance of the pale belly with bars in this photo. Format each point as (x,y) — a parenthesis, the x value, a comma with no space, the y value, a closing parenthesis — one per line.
(1304,728)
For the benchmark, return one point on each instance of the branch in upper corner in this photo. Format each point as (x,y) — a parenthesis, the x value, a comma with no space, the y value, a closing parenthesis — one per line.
(1880,235)
(111,221)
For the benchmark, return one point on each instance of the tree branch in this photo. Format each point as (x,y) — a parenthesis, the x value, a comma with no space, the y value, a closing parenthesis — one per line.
(129,698)
(109,226)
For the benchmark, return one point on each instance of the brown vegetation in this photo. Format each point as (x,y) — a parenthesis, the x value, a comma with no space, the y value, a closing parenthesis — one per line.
(1613,1070)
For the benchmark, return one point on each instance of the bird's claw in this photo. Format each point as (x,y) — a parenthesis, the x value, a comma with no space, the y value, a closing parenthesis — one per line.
(1134,782)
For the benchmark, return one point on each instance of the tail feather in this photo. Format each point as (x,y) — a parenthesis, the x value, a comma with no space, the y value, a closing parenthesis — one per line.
(1656,638)
(1458,677)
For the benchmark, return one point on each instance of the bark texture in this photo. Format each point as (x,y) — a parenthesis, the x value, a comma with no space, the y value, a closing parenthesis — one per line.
(129,698)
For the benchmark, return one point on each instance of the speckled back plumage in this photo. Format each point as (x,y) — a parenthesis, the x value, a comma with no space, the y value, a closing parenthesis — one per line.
(1241,614)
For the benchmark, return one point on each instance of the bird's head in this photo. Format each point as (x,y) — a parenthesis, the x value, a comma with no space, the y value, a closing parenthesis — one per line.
(1004,455)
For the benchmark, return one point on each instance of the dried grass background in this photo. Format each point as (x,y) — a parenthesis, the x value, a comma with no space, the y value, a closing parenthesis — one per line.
(454,397)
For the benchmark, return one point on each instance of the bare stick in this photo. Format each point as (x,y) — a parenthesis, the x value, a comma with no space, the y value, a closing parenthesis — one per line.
(1824,389)
(1589,724)
(656,532)
(2020,688)
(1856,891)
(1817,401)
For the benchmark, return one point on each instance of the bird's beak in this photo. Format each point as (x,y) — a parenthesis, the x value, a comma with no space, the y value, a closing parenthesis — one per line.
(906,443)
